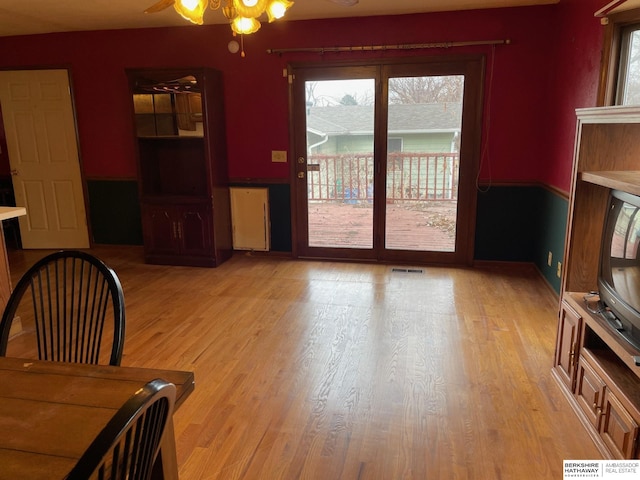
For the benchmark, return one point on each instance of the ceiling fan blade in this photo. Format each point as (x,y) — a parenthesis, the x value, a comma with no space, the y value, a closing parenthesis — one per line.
(161,5)
(345,3)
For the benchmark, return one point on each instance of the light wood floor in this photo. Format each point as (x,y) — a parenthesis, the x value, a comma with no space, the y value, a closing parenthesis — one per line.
(319,370)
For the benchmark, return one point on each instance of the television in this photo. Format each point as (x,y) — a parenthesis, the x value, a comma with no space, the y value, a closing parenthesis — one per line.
(619,272)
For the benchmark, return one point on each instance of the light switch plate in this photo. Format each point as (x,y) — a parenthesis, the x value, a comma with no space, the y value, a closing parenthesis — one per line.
(279,156)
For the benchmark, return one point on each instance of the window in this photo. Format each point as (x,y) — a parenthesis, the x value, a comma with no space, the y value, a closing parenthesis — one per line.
(394,144)
(628,88)
(621,60)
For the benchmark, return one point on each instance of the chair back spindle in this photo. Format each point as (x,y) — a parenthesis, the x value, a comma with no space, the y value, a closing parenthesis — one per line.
(75,299)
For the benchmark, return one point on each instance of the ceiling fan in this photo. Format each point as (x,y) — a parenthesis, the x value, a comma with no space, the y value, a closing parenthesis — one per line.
(243,15)
(215,4)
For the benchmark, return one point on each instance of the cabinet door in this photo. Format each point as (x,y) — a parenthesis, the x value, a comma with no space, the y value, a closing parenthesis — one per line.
(589,392)
(619,430)
(567,345)
(195,230)
(160,227)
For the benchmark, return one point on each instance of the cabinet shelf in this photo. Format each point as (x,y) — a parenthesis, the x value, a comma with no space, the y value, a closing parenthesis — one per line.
(628,180)
(617,373)
(169,167)
(176,199)
(606,335)
(174,138)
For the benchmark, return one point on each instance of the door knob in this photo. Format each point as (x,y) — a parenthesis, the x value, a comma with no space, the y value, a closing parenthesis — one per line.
(14,172)
(300,174)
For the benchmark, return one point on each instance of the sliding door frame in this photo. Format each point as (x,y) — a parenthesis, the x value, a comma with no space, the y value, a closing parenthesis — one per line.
(473,69)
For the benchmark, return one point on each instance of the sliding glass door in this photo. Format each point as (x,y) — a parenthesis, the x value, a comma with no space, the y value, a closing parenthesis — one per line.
(339,163)
(382,161)
(424,122)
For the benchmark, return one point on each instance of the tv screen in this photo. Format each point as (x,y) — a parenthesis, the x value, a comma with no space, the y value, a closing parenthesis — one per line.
(619,279)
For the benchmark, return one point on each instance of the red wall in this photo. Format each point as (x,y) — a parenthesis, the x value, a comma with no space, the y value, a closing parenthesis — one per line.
(573,83)
(550,68)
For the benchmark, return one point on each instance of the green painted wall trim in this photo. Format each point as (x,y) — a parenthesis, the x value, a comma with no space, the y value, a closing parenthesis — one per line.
(114,212)
(551,237)
(513,224)
(522,224)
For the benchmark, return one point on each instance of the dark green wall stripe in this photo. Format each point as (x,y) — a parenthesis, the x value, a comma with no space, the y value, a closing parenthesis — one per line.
(513,224)
(551,237)
(115,212)
(522,224)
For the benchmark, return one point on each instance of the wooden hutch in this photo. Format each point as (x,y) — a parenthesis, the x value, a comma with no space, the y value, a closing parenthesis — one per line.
(597,370)
(182,165)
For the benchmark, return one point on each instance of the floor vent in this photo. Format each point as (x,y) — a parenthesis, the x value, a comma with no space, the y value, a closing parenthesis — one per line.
(407,270)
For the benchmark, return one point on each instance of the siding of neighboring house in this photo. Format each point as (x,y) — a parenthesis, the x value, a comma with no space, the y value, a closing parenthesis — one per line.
(413,142)
(431,142)
(424,127)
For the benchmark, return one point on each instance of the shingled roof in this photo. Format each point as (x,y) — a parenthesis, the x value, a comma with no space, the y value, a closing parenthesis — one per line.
(410,118)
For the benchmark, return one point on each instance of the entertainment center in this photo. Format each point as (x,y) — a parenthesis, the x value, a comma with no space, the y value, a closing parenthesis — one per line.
(596,368)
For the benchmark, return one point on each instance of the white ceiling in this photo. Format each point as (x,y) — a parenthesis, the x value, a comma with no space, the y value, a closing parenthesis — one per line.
(25,17)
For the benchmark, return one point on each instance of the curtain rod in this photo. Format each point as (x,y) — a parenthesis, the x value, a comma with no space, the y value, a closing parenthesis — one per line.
(371,48)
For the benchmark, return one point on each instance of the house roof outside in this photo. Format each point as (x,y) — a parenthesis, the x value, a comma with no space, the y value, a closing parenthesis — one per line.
(403,119)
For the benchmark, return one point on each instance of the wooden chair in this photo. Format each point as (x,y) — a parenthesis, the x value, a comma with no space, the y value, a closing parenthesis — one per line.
(75,301)
(128,445)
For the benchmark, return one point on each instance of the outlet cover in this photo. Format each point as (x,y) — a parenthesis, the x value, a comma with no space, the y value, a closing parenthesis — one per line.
(279,156)
(559,271)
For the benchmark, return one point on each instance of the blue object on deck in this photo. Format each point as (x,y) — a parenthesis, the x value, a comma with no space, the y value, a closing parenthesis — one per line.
(350,195)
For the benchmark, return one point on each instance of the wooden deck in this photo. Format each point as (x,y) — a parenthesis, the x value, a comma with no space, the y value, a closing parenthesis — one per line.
(410,226)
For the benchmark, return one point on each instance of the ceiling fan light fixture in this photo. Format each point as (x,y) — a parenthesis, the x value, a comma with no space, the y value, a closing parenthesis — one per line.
(229,12)
(277,8)
(250,8)
(192,10)
(242,14)
(245,25)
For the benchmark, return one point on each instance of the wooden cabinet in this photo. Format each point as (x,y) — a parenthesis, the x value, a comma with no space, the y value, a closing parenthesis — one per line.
(597,370)
(177,230)
(589,392)
(567,345)
(605,390)
(619,428)
(182,165)
(609,404)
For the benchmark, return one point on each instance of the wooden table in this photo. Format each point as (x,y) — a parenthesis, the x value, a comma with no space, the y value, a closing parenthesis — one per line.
(50,412)
(5,280)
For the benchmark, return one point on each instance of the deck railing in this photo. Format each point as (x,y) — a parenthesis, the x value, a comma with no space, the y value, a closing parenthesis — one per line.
(410,177)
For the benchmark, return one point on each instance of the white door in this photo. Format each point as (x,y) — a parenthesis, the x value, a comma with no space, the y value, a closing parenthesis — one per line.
(43,154)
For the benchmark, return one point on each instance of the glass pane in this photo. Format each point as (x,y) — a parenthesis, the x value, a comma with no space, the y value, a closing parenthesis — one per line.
(340,121)
(631,79)
(424,125)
